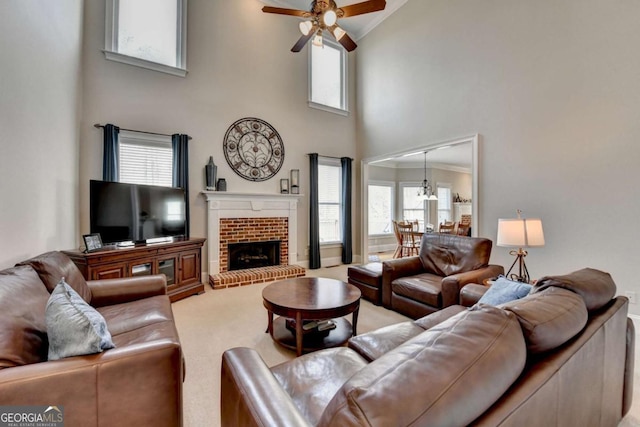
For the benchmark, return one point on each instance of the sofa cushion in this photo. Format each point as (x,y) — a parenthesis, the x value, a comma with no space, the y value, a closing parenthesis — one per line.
(23,336)
(374,344)
(53,266)
(549,318)
(425,288)
(73,326)
(594,286)
(447,254)
(430,377)
(313,379)
(504,290)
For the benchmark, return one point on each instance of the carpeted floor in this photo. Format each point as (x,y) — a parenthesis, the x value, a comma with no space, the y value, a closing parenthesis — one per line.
(211,323)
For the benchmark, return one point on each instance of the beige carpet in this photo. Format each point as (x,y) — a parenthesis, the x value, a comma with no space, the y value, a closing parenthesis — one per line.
(211,323)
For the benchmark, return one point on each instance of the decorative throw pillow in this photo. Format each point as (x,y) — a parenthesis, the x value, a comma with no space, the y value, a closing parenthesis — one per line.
(504,290)
(74,327)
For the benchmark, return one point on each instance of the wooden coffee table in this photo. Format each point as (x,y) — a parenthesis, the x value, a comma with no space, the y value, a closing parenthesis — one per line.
(311,298)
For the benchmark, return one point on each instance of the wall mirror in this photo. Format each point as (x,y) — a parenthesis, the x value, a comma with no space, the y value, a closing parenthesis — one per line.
(392,188)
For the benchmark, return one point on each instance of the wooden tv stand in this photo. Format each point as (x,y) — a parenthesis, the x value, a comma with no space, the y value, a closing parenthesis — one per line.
(179,260)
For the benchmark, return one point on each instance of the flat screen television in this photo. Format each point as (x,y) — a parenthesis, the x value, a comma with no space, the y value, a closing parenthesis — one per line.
(136,213)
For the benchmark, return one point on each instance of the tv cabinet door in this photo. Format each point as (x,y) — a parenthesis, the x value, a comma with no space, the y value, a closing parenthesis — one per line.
(108,271)
(189,267)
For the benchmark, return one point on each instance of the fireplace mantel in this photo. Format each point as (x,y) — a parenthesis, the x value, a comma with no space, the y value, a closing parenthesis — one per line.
(224,204)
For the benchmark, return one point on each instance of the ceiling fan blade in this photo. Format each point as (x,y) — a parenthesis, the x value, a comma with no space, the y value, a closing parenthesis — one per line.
(302,41)
(282,11)
(347,42)
(361,8)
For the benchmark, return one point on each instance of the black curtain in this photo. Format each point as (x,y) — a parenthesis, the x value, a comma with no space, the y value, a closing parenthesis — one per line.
(314,215)
(180,145)
(110,153)
(347,239)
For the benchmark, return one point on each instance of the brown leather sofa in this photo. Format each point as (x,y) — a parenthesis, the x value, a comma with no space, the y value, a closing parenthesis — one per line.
(431,281)
(562,356)
(137,383)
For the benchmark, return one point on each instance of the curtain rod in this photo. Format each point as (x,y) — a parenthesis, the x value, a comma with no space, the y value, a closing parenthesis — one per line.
(97,125)
(329,157)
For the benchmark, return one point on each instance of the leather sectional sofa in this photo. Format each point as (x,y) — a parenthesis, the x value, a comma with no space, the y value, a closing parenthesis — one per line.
(561,356)
(137,383)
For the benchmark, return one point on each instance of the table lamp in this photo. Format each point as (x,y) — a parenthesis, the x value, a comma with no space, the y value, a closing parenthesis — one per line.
(520,233)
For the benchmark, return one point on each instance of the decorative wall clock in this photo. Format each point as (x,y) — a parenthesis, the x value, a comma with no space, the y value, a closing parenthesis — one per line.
(253,149)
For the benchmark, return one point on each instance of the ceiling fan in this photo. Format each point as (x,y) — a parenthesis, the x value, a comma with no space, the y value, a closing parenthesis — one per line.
(323,17)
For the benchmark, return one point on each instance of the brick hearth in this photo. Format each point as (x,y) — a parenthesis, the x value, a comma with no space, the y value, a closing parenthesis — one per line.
(230,279)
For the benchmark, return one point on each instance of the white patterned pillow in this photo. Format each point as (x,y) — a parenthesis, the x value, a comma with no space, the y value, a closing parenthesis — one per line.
(74,327)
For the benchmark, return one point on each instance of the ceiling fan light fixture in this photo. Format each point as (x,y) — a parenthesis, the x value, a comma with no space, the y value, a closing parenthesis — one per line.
(317,40)
(305,27)
(338,33)
(330,18)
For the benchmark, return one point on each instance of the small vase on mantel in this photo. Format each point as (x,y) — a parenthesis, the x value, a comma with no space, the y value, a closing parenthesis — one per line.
(210,172)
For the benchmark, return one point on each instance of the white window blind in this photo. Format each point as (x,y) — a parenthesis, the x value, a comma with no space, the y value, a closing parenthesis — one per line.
(329,197)
(327,77)
(147,33)
(144,161)
(380,208)
(444,203)
(412,204)
(148,29)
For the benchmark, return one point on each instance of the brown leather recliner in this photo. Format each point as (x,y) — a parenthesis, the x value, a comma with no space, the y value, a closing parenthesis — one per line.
(139,382)
(431,281)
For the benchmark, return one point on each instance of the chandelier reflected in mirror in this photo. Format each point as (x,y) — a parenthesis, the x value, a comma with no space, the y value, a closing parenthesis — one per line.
(426,192)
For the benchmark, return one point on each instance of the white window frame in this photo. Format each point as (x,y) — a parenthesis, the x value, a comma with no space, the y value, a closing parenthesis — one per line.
(450,208)
(111,42)
(329,161)
(147,140)
(401,208)
(344,72)
(391,185)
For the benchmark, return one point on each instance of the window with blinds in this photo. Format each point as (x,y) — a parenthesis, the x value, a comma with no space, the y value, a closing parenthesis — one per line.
(444,203)
(145,159)
(412,204)
(329,200)
(381,208)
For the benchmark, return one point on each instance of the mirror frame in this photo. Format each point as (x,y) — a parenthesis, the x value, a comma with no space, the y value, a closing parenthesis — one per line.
(474,140)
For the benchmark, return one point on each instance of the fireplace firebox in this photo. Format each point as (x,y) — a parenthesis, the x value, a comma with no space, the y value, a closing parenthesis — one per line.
(253,254)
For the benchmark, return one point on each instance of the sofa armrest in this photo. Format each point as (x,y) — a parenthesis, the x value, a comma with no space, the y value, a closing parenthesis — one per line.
(451,285)
(117,291)
(145,375)
(471,293)
(394,269)
(627,397)
(251,396)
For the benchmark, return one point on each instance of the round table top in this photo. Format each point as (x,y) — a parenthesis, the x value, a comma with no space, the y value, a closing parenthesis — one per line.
(310,294)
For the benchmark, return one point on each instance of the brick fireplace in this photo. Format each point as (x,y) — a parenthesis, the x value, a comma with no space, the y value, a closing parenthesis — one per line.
(242,217)
(250,230)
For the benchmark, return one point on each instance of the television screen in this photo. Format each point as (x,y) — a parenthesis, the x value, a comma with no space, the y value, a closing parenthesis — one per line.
(130,212)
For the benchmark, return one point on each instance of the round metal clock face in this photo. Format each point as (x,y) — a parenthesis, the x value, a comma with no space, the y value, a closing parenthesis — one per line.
(253,149)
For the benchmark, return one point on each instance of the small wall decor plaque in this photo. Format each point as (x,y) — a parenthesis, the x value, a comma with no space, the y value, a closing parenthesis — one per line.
(295,181)
(284,186)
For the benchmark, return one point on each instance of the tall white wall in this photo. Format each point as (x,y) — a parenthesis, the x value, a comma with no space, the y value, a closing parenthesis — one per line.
(40,83)
(552,87)
(240,65)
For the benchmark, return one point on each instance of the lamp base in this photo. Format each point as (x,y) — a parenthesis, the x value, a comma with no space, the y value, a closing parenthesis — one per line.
(523,273)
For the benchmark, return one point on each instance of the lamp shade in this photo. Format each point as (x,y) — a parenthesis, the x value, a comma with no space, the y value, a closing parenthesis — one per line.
(520,232)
